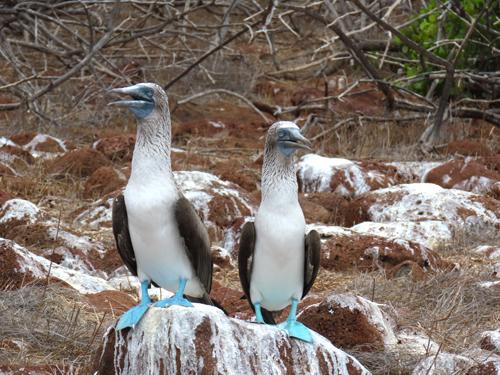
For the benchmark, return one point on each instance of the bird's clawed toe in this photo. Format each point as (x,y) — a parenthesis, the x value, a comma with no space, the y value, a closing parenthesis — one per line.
(297,330)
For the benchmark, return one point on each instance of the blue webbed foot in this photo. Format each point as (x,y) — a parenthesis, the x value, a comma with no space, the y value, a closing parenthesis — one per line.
(297,330)
(132,317)
(177,299)
(294,328)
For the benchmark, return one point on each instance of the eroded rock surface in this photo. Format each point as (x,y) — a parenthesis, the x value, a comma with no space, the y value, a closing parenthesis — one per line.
(468,175)
(202,340)
(341,176)
(351,322)
(425,213)
(345,249)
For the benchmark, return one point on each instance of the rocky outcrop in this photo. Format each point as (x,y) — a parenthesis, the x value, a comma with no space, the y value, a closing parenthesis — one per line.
(104,181)
(465,148)
(324,207)
(79,163)
(468,175)
(341,176)
(489,368)
(202,340)
(119,148)
(443,364)
(351,322)
(42,142)
(425,213)
(17,152)
(490,340)
(345,249)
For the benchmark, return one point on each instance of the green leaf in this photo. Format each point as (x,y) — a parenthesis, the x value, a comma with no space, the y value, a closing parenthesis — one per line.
(419,85)
(423,25)
(413,72)
(404,49)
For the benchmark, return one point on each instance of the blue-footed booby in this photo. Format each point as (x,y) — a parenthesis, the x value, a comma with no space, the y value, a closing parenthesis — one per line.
(277,262)
(159,234)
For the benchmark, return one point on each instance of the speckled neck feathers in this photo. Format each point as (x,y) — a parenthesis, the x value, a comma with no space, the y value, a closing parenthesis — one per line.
(278,172)
(152,149)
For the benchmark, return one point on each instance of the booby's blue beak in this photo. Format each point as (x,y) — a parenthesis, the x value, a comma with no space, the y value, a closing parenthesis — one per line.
(142,104)
(290,139)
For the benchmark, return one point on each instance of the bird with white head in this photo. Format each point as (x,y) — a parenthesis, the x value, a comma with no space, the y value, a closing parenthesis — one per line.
(159,234)
(277,262)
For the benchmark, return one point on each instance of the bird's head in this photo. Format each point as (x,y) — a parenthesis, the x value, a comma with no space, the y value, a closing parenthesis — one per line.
(146,97)
(286,135)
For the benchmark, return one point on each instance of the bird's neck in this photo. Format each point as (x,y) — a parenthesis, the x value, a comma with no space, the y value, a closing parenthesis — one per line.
(279,178)
(152,148)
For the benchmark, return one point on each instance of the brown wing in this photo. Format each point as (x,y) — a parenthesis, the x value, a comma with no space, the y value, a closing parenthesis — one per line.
(196,241)
(312,259)
(122,234)
(245,262)
(245,257)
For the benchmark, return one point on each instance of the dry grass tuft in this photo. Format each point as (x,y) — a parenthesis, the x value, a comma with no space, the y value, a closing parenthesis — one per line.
(55,326)
(452,309)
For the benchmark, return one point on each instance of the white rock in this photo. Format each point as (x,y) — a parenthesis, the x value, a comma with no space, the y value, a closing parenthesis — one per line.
(415,168)
(432,233)
(17,209)
(493,338)
(443,364)
(203,340)
(416,342)
(491,252)
(329,230)
(489,284)
(98,214)
(433,212)
(131,285)
(40,138)
(199,188)
(39,267)
(7,142)
(376,317)
(315,173)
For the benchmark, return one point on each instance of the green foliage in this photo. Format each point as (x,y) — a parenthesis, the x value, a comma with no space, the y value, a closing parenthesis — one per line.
(477,55)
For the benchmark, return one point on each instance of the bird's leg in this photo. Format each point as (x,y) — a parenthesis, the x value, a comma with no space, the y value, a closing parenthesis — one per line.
(294,328)
(132,317)
(177,299)
(258,313)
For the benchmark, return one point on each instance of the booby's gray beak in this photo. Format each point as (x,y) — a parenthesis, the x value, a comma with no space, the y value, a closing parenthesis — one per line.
(142,104)
(290,139)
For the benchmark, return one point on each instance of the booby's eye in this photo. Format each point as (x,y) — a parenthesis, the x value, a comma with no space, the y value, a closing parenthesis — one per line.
(281,133)
(149,92)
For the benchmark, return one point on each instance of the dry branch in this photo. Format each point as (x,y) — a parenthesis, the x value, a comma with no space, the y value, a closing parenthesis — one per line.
(221,91)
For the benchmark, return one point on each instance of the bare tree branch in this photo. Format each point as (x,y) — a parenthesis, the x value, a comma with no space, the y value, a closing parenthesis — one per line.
(221,91)
(86,60)
(212,51)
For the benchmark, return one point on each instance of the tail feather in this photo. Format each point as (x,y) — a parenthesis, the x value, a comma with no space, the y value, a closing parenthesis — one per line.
(269,315)
(206,300)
